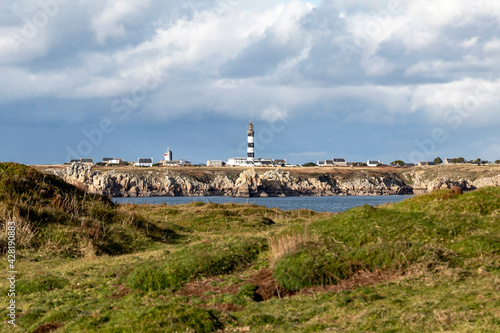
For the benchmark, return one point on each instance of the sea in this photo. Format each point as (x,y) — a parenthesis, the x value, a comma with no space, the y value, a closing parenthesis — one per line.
(319,204)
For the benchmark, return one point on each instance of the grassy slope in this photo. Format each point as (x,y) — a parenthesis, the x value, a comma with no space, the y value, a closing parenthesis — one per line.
(55,218)
(430,263)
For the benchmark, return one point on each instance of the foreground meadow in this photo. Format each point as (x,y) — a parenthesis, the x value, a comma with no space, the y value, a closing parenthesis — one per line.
(429,263)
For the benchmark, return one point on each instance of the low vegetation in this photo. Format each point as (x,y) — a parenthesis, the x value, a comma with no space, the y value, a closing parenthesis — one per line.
(429,263)
(54,218)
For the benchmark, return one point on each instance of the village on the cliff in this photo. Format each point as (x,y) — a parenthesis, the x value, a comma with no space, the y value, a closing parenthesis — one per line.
(251,161)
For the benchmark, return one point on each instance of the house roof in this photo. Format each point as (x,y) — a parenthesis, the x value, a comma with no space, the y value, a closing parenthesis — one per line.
(145,160)
(373,162)
(107,159)
(87,160)
(342,160)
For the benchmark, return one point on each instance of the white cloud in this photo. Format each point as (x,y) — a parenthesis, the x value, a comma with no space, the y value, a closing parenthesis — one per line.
(108,21)
(416,59)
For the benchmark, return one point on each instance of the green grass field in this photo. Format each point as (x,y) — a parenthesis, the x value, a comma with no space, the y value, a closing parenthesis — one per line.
(429,263)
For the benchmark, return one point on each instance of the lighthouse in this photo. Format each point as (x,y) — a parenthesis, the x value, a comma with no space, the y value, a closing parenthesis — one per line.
(250,144)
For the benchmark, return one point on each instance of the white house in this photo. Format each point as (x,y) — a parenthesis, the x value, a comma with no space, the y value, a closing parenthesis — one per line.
(239,161)
(144,162)
(83,160)
(339,161)
(373,163)
(215,164)
(279,162)
(325,163)
(112,160)
(180,162)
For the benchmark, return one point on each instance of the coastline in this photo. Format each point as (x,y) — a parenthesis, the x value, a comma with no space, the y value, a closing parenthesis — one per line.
(279,182)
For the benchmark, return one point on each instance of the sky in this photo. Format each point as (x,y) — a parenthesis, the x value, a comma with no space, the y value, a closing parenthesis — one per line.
(357,79)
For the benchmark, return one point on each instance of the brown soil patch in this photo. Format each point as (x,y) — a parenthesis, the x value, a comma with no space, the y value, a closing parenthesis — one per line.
(267,287)
(47,327)
(363,278)
(122,291)
(263,280)
(201,288)
(456,190)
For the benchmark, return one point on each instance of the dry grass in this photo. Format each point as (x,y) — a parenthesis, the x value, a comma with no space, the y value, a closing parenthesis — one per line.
(280,246)
(24,230)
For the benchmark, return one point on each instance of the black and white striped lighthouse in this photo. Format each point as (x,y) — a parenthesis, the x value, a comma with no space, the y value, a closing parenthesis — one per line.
(250,143)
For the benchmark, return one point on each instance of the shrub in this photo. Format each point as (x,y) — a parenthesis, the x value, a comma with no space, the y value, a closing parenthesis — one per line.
(398,162)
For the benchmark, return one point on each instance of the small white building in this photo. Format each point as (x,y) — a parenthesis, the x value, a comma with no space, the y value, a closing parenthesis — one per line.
(144,162)
(339,161)
(279,162)
(239,161)
(215,163)
(83,160)
(112,160)
(425,163)
(168,155)
(373,163)
(327,163)
(180,162)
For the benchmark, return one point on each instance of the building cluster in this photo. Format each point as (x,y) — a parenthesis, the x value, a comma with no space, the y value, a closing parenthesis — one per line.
(335,162)
(169,161)
(251,161)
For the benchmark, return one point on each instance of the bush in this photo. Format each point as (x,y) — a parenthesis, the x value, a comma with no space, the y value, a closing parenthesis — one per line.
(398,162)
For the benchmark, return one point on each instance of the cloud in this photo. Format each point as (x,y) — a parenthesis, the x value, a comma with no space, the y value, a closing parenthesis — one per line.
(362,61)
(110,21)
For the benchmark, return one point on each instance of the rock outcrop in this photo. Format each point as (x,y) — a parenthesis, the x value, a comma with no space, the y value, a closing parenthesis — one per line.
(251,183)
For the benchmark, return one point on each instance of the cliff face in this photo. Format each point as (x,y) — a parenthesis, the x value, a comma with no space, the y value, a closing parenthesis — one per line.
(278,182)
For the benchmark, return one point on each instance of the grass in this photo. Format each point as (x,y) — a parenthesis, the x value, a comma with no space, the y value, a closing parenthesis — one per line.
(55,218)
(198,261)
(429,263)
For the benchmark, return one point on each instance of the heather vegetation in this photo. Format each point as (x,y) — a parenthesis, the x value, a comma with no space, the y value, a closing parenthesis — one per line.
(429,263)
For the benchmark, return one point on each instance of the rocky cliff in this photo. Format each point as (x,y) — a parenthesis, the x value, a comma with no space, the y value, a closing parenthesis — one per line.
(277,182)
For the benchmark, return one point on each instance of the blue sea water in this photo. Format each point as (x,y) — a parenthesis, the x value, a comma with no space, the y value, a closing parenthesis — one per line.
(319,204)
